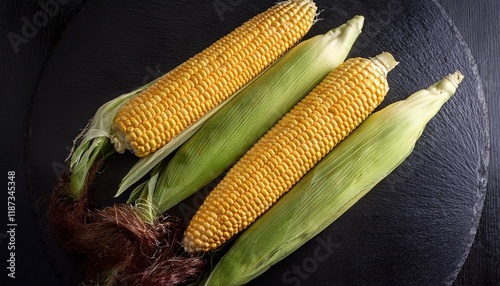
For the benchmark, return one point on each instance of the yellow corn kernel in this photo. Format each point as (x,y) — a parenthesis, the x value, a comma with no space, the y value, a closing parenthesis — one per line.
(218,71)
(324,112)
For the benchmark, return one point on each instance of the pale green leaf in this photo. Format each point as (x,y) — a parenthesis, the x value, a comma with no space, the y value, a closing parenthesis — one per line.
(94,140)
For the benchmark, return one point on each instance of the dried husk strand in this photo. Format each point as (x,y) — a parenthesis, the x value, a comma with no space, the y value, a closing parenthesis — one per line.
(122,249)
(379,144)
(69,205)
(67,213)
(122,244)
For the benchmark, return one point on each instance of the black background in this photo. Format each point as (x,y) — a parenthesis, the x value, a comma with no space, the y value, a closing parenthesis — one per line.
(19,81)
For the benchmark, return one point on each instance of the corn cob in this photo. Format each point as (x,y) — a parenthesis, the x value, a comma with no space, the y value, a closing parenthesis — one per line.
(293,146)
(354,167)
(182,96)
(228,134)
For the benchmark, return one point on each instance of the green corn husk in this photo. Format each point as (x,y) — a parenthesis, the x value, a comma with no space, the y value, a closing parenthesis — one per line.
(226,136)
(379,144)
(94,142)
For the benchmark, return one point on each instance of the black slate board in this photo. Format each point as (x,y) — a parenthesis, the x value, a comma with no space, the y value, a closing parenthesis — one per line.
(414,228)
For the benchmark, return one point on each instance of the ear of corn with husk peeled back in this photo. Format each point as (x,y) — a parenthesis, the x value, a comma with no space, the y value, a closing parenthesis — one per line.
(379,145)
(179,98)
(289,150)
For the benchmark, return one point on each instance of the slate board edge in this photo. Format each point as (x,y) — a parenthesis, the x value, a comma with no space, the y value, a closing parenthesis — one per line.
(484,164)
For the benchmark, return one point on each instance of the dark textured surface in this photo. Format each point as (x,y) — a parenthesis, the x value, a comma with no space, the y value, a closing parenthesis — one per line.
(99,57)
(20,73)
(478,23)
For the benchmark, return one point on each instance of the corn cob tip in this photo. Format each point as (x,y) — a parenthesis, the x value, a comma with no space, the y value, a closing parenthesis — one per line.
(455,78)
(449,84)
(119,142)
(385,61)
(357,21)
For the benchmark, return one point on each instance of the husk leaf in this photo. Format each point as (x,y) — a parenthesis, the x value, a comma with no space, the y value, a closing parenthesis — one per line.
(93,140)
